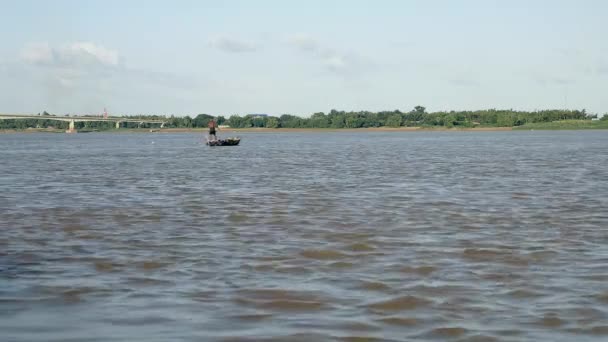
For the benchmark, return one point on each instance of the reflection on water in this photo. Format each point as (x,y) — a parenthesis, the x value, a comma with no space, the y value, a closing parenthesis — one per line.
(498,236)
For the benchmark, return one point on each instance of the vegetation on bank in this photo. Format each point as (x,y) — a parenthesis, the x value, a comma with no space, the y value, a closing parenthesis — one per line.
(567,124)
(417,117)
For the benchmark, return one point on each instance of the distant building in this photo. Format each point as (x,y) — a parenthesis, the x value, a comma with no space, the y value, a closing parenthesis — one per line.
(257,115)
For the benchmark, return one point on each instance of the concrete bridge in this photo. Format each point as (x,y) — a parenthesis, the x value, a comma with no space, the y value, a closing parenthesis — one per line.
(74,119)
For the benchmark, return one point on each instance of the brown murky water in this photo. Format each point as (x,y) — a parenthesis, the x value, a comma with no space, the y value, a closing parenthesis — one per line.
(497,236)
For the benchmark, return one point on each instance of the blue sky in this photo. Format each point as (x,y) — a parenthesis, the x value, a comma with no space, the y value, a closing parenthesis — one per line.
(301,57)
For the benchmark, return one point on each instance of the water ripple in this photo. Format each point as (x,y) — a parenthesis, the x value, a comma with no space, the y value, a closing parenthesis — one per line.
(439,236)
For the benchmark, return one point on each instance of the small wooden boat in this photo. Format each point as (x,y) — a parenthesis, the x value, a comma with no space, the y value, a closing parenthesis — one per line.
(224,142)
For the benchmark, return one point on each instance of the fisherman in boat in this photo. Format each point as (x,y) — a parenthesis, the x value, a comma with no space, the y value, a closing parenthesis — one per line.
(212,127)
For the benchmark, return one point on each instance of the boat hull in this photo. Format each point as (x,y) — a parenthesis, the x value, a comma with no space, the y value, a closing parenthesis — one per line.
(224,142)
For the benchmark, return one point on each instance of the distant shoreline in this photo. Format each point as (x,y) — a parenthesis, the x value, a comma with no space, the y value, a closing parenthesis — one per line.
(366,129)
(229,131)
(261,130)
(304,130)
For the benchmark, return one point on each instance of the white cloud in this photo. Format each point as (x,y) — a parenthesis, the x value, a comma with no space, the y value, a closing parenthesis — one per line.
(546,77)
(555,81)
(335,63)
(99,53)
(461,75)
(463,82)
(233,45)
(84,75)
(73,54)
(304,42)
(66,82)
(37,53)
(333,60)
(602,69)
(71,65)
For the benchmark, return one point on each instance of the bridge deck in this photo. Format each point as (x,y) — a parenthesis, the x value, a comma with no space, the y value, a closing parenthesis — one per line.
(76,118)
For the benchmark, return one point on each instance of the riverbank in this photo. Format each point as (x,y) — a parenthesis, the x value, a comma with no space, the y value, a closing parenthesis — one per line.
(565,125)
(316,130)
(32,130)
(556,125)
(263,130)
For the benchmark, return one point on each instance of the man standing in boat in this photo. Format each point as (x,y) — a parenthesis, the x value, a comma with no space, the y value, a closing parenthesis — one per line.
(212,127)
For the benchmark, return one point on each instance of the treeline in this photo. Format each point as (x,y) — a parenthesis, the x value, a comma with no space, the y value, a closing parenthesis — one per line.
(417,117)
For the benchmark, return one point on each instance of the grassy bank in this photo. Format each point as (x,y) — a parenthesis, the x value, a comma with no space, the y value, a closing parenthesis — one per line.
(32,130)
(565,125)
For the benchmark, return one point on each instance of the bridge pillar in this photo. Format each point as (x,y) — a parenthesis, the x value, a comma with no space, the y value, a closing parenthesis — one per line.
(117,124)
(71,127)
(162,124)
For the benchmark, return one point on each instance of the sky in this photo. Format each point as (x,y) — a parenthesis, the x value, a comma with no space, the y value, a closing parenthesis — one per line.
(301,57)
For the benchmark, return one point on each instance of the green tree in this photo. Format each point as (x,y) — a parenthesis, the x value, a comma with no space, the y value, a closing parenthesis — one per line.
(337,119)
(319,120)
(394,120)
(272,122)
(419,109)
(290,121)
(258,121)
(201,120)
(187,121)
(238,122)
(505,120)
(449,120)
(353,120)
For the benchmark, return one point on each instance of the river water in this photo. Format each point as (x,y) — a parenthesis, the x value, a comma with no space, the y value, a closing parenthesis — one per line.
(347,236)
